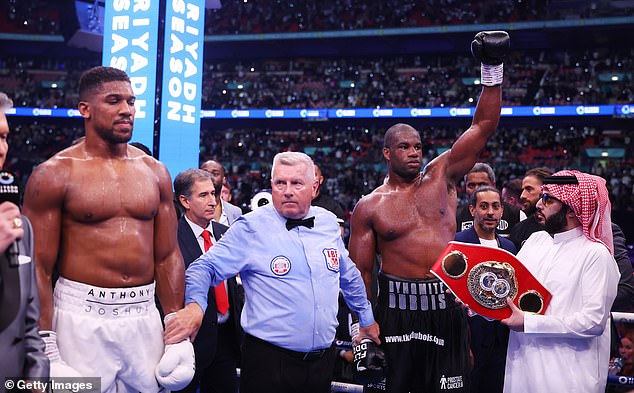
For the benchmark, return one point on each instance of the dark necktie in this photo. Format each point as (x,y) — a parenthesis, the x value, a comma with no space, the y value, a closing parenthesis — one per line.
(293,222)
(222,300)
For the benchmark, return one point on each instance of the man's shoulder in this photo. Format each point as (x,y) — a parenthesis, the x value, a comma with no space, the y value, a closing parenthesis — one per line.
(231,207)
(507,244)
(468,235)
(368,201)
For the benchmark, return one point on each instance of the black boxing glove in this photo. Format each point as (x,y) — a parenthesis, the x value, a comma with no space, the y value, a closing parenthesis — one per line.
(490,48)
(369,362)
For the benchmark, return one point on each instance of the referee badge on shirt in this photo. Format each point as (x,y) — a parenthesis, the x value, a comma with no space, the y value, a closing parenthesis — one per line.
(280,265)
(483,277)
(332,259)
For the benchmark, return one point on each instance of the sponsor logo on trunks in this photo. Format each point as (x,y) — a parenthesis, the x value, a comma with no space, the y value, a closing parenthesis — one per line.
(448,383)
(280,265)
(120,294)
(332,259)
(403,338)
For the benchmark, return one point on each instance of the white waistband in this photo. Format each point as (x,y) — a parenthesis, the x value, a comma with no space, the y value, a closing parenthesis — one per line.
(105,302)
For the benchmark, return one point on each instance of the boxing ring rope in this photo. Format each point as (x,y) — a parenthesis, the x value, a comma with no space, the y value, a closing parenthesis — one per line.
(624,317)
(335,386)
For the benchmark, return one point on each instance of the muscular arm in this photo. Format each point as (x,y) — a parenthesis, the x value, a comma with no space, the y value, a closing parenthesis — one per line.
(362,245)
(43,203)
(169,268)
(466,149)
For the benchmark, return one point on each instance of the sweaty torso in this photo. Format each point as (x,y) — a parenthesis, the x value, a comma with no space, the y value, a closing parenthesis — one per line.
(107,223)
(413,225)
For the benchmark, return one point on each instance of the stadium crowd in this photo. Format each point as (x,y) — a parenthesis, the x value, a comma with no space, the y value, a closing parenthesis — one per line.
(594,76)
(271,16)
(350,156)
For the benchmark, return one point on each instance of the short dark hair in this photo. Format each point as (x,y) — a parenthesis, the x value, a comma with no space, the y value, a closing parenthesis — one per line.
(482,167)
(541,173)
(96,76)
(474,197)
(389,139)
(514,187)
(184,181)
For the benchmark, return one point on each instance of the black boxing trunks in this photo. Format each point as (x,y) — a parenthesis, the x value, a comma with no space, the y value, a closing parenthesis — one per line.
(424,335)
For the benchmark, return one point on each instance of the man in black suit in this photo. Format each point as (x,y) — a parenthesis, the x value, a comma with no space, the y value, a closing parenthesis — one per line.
(216,345)
(489,339)
(21,347)
(482,175)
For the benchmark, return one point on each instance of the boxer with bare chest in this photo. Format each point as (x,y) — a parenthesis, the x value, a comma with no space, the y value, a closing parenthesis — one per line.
(408,221)
(103,215)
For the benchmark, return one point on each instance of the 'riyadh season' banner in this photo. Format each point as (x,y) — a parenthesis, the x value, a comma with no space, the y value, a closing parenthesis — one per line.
(130,44)
(182,84)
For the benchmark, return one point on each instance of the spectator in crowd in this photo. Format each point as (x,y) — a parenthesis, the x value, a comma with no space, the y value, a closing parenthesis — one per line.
(489,339)
(217,343)
(482,175)
(225,194)
(511,191)
(531,192)
(226,213)
(623,363)
(324,200)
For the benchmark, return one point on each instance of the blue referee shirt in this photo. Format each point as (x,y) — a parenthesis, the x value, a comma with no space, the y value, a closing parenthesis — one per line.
(291,278)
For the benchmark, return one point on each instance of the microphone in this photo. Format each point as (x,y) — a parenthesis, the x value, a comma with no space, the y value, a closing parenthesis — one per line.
(10,192)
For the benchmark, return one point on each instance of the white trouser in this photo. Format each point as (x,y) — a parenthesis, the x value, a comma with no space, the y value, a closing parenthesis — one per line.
(112,333)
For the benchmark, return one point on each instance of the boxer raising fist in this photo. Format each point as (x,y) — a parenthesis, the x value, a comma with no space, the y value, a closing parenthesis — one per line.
(103,214)
(409,221)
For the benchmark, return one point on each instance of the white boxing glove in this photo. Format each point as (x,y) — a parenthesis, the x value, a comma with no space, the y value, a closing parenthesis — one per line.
(176,368)
(59,368)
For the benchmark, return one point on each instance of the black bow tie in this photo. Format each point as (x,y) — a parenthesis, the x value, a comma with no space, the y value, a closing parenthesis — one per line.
(294,222)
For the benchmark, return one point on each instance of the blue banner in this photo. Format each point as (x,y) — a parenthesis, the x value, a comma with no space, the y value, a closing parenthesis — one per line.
(130,42)
(356,113)
(179,141)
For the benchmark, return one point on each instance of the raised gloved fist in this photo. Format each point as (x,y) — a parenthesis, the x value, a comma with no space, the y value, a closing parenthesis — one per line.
(59,368)
(369,362)
(176,368)
(490,47)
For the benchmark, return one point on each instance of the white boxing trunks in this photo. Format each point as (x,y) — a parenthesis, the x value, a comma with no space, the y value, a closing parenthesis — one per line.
(112,333)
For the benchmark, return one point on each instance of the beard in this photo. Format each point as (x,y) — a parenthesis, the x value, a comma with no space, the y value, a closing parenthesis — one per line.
(110,136)
(406,172)
(557,222)
(530,210)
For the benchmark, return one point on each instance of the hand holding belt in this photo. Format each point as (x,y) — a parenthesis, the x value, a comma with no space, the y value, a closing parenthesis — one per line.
(483,277)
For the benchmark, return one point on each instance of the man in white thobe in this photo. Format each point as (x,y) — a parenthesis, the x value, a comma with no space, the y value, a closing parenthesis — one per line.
(566,349)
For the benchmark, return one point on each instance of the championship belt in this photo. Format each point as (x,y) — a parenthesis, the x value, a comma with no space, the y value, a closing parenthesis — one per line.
(483,277)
